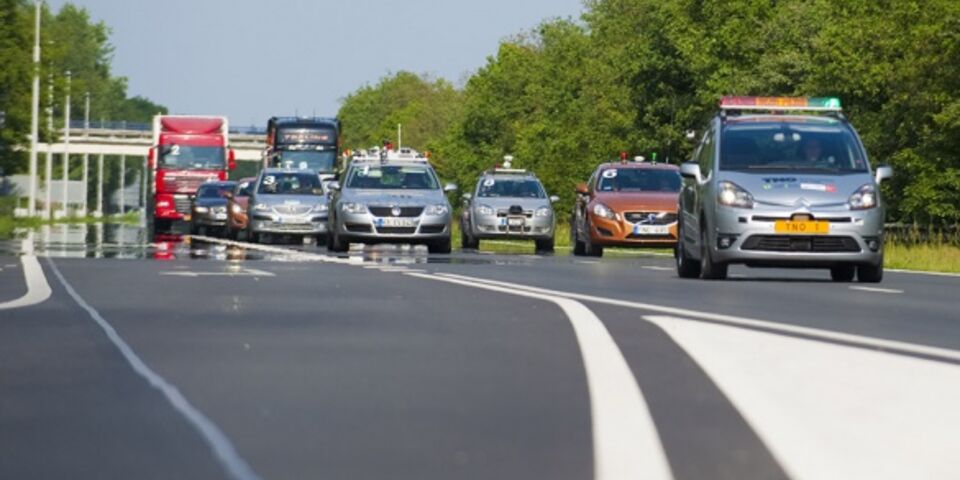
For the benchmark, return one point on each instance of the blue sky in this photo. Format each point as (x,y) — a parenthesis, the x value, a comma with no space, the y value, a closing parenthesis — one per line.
(254,59)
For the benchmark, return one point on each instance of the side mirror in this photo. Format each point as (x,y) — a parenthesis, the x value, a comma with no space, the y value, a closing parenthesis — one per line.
(554,199)
(467,196)
(333,186)
(582,189)
(690,170)
(883,173)
(231,159)
(228,195)
(151,158)
(691,136)
(450,187)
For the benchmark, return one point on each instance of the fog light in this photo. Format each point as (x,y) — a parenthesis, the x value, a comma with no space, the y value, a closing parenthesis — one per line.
(725,241)
(873,244)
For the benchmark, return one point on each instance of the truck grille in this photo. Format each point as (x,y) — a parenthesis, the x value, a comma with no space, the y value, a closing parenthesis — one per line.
(382,211)
(790,243)
(182,204)
(181,183)
(650,218)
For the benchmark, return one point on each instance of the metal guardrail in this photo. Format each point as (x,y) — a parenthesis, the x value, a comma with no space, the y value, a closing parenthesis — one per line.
(913,234)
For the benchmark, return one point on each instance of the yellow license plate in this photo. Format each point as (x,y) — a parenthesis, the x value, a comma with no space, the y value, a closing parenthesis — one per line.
(801,227)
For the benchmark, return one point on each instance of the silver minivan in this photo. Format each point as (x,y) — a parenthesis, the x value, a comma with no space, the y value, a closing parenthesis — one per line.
(781,182)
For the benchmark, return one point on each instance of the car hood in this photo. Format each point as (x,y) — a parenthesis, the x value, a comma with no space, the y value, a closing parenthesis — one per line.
(626,201)
(394,197)
(272,200)
(498,203)
(210,202)
(800,189)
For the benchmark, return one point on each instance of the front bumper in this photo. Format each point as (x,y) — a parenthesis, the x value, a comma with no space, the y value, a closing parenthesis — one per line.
(305,224)
(210,219)
(367,228)
(620,232)
(513,227)
(854,237)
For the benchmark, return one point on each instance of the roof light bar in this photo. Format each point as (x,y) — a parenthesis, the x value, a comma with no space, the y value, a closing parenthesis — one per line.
(808,104)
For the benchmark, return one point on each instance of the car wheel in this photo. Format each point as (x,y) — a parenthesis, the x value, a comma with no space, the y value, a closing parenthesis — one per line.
(321,240)
(439,246)
(589,249)
(843,273)
(578,247)
(870,273)
(686,267)
(466,240)
(545,245)
(709,270)
(336,244)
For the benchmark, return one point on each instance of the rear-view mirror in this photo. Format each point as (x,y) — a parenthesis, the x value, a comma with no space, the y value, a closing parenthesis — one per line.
(554,199)
(450,187)
(467,196)
(333,186)
(883,173)
(690,170)
(581,188)
(231,159)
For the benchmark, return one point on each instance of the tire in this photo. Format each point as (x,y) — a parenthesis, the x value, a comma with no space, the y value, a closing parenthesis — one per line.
(589,249)
(709,270)
(686,267)
(545,245)
(843,273)
(253,237)
(440,246)
(578,246)
(870,273)
(321,240)
(336,244)
(466,240)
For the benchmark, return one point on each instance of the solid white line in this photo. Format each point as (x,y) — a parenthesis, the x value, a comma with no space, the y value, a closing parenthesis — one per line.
(38,290)
(625,440)
(875,289)
(921,272)
(872,342)
(235,466)
(659,269)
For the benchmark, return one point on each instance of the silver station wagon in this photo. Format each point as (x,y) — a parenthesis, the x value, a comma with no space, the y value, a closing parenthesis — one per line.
(287,202)
(781,182)
(390,197)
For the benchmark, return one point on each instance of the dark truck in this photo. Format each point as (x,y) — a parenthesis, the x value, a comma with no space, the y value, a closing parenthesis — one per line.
(303,143)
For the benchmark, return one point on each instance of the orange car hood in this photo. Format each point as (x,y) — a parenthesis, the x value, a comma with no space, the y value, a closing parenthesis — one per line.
(625,201)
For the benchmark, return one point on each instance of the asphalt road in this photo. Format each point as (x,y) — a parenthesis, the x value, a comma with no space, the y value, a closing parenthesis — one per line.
(210,359)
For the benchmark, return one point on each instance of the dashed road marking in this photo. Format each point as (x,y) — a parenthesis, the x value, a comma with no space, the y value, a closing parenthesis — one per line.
(875,289)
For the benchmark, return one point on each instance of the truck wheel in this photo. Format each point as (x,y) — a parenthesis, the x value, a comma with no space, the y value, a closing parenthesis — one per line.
(843,273)
(870,273)
(545,245)
(439,246)
(686,267)
(709,270)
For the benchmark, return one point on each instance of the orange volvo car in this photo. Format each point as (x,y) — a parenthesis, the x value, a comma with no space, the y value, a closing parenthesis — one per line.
(237,205)
(626,205)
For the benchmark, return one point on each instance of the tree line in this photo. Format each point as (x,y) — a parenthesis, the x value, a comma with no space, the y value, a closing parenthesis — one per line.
(635,75)
(70,41)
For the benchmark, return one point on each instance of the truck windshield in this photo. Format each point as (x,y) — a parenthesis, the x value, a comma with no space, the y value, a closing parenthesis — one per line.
(318,161)
(189,157)
(791,146)
(293,183)
(510,187)
(639,180)
(392,177)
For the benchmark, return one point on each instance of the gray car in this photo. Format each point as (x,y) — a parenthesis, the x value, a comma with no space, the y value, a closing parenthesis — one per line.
(508,204)
(209,208)
(287,203)
(390,200)
(771,187)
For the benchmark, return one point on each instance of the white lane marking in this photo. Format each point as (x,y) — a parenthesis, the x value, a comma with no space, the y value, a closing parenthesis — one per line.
(38,290)
(588,262)
(872,342)
(875,289)
(921,272)
(235,466)
(625,440)
(829,411)
(659,269)
(246,272)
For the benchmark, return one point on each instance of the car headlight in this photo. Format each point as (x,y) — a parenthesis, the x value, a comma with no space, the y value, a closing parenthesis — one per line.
(201,209)
(604,211)
(544,212)
(261,207)
(320,208)
(353,207)
(485,210)
(864,198)
(731,195)
(436,210)
(236,208)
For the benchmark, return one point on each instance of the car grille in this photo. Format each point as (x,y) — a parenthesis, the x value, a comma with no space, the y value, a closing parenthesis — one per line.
(358,227)
(292,209)
(643,218)
(652,238)
(513,212)
(432,228)
(761,218)
(397,230)
(791,243)
(388,211)
(182,204)
(291,227)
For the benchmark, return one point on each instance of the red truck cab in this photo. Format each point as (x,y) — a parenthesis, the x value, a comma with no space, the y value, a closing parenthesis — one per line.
(187,151)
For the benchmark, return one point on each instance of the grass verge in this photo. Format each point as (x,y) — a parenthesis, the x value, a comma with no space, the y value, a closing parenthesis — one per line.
(929,257)
(9,224)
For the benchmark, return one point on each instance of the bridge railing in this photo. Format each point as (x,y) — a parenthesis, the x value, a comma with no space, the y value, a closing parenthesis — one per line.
(79,126)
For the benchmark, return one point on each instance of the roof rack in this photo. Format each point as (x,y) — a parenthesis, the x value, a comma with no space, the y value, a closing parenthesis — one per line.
(378,154)
(781,104)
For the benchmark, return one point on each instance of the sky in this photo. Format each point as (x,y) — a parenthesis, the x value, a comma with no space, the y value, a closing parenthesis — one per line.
(251,60)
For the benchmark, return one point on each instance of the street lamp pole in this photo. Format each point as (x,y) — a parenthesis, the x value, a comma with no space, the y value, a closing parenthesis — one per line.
(66,147)
(48,165)
(86,156)
(35,113)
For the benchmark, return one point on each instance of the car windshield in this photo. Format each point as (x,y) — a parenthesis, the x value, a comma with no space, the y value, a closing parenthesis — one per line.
(293,183)
(639,180)
(511,187)
(316,160)
(791,146)
(214,191)
(392,177)
(245,188)
(189,157)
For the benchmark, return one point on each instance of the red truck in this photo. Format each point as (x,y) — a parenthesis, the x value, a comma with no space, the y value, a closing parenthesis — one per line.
(187,151)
